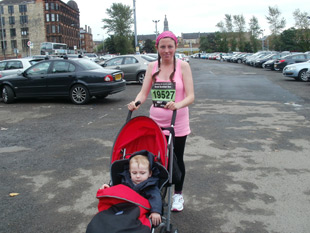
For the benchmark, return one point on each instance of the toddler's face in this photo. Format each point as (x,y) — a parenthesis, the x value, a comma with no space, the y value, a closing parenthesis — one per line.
(139,173)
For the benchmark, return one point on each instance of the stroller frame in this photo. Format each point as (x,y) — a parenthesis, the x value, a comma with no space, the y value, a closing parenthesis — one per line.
(166,227)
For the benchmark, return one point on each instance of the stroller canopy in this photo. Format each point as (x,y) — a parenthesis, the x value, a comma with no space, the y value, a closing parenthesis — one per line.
(140,133)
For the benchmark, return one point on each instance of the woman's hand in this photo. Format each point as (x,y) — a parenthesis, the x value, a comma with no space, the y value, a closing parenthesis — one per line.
(173,106)
(132,106)
(156,218)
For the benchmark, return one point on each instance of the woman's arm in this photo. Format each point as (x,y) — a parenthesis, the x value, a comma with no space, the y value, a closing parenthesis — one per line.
(145,89)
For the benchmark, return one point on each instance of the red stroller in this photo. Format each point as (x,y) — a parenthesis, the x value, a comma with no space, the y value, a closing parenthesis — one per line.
(120,208)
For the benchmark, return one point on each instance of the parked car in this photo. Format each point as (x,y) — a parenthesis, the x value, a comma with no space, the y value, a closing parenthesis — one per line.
(297,71)
(308,74)
(133,66)
(290,59)
(76,78)
(13,66)
(92,57)
(182,56)
(269,64)
(261,60)
(154,55)
(107,56)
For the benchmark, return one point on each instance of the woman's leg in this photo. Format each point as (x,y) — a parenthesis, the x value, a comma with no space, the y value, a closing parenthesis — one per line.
(179,147)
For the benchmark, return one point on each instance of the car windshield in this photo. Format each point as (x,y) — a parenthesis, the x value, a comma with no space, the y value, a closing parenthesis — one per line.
(87,64)
(148,58)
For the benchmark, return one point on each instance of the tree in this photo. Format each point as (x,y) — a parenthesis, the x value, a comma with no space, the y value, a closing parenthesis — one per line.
(255,32)
(149,46)
(276,24)
(302,24)
(239,24)
(119,24)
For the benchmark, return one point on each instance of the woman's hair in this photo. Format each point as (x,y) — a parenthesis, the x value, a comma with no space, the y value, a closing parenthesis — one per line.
(140,159)
(165,34)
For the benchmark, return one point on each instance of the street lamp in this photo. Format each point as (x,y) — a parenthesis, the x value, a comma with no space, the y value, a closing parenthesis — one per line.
(135,21)
(156,21)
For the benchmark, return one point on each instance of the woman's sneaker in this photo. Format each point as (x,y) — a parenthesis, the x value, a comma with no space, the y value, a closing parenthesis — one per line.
(177,203)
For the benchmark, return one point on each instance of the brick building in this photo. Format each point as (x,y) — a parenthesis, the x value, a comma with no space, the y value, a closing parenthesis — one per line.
(40,21)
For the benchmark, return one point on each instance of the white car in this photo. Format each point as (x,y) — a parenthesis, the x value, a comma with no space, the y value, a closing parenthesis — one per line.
(91,56)
(13,66)
(182,56)
(297,71)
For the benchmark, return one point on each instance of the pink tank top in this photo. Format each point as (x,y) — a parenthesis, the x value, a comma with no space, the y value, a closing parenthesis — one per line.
(163,116)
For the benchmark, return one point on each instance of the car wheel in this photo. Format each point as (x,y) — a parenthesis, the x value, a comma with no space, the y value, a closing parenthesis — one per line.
(239,61)
(79,94)
(302,76)
(7,94)
(140,77)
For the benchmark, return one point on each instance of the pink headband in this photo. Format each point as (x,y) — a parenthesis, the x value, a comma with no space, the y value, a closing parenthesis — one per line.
(166,34)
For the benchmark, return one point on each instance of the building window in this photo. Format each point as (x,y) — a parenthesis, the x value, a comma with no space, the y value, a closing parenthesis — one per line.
(11,9)
(57,17)
(24,43)
(13,32)
(24,31)
(47,17)
(4,34)
(1,9)
(56,6)
(53,29)
(53,17)
(22,8)
(23,19)
(13,44)
(2,21)
(47,29)
(3,45)
(46,6)
(52,6)
(11,20)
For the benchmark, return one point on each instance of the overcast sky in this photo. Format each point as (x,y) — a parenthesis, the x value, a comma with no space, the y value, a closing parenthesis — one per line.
(186,16)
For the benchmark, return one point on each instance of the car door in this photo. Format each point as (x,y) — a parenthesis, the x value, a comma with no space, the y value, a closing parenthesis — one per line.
(130,67)
(13,67)
(60,77)
(32,82)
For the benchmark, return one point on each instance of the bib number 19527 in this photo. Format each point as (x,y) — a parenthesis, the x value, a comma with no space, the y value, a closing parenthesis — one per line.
(162,92)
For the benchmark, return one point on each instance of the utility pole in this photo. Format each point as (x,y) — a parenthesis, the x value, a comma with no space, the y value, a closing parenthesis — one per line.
(156,21)
(135,21)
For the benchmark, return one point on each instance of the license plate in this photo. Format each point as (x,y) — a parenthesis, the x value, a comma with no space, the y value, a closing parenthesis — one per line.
(118,77)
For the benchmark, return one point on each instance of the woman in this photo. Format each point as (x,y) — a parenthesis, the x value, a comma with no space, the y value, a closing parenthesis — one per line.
(171,84)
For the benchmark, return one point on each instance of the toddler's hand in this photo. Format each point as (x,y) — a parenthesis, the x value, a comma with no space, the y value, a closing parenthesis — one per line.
(104,186)
(156,218)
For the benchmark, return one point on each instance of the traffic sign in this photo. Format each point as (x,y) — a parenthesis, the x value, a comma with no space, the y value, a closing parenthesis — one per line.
(29,43)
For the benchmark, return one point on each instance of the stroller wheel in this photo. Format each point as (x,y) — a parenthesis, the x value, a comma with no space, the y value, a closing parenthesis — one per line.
(163,229)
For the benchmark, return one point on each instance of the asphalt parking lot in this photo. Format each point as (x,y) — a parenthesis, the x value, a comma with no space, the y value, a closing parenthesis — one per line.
(247,157)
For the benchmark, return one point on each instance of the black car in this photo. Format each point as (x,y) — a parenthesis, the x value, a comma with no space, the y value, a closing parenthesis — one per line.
(77,78)
(290,59)
(260,61)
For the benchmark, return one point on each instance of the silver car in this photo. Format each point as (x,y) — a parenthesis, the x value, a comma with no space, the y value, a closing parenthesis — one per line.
(13,66)
(297,71)
(133,66)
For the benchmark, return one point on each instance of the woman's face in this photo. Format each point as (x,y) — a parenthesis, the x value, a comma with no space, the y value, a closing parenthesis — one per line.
(166,48)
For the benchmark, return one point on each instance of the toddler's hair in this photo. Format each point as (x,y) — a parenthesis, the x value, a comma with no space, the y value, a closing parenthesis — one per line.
(140,159)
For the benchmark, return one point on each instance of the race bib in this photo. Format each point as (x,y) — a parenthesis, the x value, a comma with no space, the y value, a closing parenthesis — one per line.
(162,93)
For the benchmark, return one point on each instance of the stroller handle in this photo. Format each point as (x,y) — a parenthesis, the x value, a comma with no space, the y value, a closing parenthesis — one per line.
(130,112)
(174,114)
